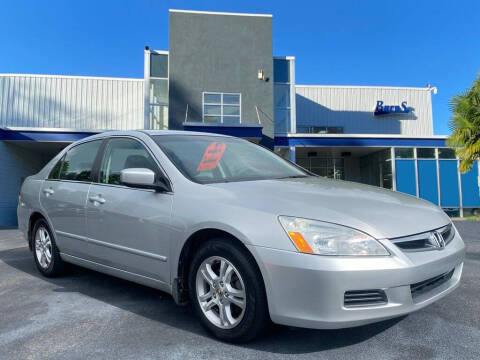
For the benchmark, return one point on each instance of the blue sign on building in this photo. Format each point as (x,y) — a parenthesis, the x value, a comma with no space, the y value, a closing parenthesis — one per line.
(381,109)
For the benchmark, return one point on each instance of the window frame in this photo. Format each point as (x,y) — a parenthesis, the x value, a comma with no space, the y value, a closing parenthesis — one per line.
(62,159)
(421,157)
(280,111)
(439,150)
(156,139)
(157,53)
(414,152)
(288,61)
(310,129)
(222,104)
(160,173)
(152,104)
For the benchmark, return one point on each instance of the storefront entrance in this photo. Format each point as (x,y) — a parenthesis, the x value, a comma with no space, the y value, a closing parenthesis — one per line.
(329,167)
(365,165)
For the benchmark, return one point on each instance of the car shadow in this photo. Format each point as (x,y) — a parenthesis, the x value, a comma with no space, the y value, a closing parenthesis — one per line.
(159,306)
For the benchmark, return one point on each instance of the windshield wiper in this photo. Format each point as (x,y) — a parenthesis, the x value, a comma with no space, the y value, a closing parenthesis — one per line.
(294,177)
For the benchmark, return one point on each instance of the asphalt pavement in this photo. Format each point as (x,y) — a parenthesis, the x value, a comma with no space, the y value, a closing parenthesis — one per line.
(88,315)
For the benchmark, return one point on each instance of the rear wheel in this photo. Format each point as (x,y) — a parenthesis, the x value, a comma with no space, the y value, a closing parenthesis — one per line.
(227,291)
(45,251)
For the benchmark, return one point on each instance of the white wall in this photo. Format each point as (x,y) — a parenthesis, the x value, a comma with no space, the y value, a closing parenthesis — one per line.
(352,107)
(72,102)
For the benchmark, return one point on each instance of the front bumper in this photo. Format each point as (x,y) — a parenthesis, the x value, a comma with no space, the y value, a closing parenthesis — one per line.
(308,290)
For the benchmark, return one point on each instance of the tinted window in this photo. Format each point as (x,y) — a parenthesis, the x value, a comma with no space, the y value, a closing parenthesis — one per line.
(445,153)
(208,159)
(281,71)
(404,153)
(281,96)
(79,161)
(426,153)
(123,153)
(159,65)
(55,173)
(319,129)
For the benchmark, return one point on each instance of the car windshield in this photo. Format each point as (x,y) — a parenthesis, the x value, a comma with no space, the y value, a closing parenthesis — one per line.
(211,159)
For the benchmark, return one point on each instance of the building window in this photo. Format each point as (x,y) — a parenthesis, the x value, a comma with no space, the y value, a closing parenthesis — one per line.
(303,129)
(282,95)
(376,169)
(446,153)
(158,117)
(404,153)
(158,65)
(426,153)
(222,108)
(281,71)
(158,91)
(328,167)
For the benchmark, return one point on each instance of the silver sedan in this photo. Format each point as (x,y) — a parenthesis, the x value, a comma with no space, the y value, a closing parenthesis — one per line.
(243,235)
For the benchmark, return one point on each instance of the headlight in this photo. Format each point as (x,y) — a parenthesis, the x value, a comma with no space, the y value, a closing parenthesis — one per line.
(318,237)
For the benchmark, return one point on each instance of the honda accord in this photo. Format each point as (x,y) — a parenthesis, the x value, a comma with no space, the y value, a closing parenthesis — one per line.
(243,235)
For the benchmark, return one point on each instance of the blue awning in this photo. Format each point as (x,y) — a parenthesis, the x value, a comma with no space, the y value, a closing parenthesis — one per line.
(366,141)
(43,135)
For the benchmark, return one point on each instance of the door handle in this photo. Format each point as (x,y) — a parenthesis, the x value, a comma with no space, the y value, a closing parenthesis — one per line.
(48,191)
(97,199)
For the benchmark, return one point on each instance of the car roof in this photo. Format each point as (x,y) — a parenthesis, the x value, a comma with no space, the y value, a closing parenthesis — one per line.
(180,132)
(109,133)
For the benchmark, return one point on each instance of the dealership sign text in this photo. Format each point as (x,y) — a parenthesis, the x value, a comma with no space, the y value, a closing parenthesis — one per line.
(381,109)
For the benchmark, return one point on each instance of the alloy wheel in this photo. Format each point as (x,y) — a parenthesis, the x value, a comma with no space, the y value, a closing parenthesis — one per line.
(220,292)
(43,247)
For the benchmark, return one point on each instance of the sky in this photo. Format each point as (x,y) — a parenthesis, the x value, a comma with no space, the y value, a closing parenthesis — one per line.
(387,43)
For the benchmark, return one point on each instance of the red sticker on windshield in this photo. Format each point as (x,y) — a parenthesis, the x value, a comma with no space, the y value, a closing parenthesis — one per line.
(211,157)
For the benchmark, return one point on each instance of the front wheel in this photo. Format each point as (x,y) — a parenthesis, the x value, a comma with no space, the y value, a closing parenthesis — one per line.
(227,291)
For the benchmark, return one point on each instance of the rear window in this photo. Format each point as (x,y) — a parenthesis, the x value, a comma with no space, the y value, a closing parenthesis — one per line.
(55,172)
(79,160)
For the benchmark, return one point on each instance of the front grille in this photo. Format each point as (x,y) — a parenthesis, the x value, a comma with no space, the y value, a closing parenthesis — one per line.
(422,241)
(364,298)
(425,286)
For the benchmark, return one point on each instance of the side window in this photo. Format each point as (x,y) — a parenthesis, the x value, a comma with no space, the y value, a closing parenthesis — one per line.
(123,153)
(55,172)
(79,161)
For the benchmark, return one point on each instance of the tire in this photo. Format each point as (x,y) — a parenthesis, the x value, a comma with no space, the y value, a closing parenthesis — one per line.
(45,251)
(240,271)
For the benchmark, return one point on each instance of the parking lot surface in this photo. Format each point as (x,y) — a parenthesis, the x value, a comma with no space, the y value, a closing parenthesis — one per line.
(85,314)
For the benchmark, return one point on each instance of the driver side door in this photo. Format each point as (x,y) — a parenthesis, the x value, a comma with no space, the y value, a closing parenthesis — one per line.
(128,228)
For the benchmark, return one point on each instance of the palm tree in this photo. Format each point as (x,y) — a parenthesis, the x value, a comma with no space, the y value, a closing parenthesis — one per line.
(465,125)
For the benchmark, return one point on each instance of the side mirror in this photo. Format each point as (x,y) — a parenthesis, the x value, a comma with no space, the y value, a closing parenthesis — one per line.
(142,178)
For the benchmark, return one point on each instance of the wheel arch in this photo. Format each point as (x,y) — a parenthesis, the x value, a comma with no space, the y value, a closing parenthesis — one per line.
(196,240)
(34,217)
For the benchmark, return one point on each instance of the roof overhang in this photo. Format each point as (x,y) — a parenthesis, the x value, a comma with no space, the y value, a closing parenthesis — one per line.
(380,140)
(44,134)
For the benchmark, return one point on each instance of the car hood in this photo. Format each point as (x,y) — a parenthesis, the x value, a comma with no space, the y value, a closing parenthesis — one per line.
(379,212)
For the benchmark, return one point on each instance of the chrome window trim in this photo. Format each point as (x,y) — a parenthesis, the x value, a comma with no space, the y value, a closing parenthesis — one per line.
(96,182)
(130,188)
